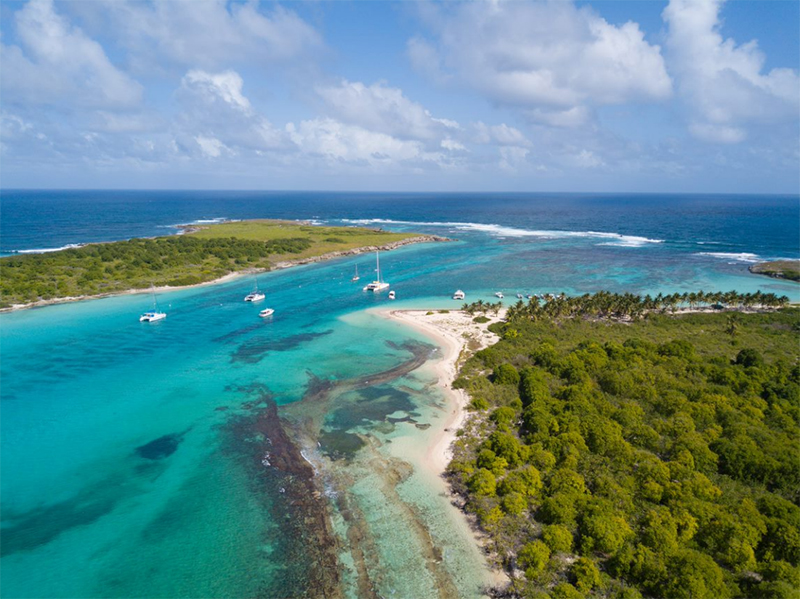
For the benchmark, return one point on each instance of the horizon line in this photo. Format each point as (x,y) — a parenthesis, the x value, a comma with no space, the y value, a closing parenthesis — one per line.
(409,192)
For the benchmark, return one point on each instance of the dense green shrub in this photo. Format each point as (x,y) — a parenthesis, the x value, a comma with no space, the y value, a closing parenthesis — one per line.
(666,457)
(505,374)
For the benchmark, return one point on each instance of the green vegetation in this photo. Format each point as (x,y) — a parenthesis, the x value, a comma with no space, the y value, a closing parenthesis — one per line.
(649,458)
(200,255)
(780,269)
(628,306)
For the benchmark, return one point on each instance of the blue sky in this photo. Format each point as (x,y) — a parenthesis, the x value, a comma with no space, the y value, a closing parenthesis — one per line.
(674,96)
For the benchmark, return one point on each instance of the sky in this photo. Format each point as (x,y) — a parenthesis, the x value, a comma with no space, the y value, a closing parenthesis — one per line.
(607,96)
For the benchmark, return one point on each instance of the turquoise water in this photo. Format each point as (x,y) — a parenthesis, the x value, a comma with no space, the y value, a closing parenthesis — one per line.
(132,452)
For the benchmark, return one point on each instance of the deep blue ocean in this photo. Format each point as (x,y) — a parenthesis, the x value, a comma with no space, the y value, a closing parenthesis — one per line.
(139,460)
(768,226)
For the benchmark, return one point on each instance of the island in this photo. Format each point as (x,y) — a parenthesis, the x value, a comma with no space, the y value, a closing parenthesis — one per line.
(201,254)
(778,269)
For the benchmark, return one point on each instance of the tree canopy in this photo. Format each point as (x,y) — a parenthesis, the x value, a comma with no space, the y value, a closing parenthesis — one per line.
(178,260)
(658,457)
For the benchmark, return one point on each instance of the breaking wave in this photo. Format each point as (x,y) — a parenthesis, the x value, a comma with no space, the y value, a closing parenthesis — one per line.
(69,246)
(616,239)
(735,256)
(200,221)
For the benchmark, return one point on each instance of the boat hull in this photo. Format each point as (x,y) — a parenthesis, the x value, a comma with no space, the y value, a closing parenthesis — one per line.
(376,287)
(152,317)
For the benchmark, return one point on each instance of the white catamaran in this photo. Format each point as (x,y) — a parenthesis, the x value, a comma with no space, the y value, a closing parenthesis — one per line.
(153,315)
(255,295)
(378,284)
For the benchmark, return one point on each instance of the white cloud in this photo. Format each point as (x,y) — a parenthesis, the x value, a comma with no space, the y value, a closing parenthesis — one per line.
(723,84)
(571,117)
(60,64)
(226,86)
(207,33)
(12,125)
(339,141)
(551,58)
(385,109)
(452,145)
(586,159)
(502,135)
(717,133)
(216,107)
(210,146)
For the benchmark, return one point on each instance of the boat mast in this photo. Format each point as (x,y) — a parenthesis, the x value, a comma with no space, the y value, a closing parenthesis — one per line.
(378,261)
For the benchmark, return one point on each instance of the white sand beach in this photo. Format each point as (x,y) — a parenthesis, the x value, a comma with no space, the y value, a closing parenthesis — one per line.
(458,337)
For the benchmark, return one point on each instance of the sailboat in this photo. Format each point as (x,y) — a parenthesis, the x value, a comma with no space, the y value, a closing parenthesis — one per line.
(153,315)
(255,295)
(378,284)
(355,276)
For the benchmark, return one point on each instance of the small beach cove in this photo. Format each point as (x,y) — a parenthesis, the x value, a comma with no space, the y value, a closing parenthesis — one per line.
(379,445)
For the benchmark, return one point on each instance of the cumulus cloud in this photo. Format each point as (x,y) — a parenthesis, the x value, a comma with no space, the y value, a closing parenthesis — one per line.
(215,107)
(339,141)
(502,135)
(225,86)
(552,59)
(206,34)
(210,146)
(723,84)
(59,64)
(385,109)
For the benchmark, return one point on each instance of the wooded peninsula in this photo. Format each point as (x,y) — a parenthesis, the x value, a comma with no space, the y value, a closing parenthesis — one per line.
(203,253)
(654,456)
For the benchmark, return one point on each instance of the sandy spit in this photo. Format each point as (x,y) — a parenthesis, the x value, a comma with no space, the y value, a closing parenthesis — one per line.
(458,337)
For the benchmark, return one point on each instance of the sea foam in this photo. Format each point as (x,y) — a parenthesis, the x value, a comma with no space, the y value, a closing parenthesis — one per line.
(200,221)
(617,239)
(735,256)
(69,246)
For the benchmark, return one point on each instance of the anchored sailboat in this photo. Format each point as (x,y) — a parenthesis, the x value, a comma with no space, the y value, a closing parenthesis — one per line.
(355,276)
(153,315)
(378,284)
(255,295)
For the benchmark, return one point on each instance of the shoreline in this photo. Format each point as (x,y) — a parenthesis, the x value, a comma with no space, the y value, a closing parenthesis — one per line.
(233,275)
(458,337)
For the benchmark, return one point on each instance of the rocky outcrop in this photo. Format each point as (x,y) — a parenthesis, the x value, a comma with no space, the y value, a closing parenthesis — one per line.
(778,269)
(362,250)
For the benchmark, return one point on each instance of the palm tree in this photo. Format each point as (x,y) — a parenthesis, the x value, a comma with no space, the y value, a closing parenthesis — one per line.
(732,325)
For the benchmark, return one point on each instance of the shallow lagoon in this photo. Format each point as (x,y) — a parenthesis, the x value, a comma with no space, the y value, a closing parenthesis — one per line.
(131,453)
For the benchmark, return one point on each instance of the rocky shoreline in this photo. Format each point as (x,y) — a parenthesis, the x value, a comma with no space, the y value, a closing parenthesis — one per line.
(788,270)
(361,250)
